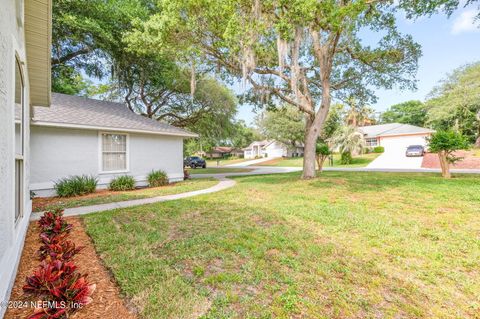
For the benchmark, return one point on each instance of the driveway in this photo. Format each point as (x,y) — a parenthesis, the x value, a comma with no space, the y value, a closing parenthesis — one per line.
(394,158)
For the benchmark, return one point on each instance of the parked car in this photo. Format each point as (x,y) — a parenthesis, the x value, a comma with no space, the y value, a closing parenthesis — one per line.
(415,150)
(194,162)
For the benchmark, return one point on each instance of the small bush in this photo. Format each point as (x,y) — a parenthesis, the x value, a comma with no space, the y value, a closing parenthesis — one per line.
(157,178)
(122,183)
(379,149)
(186,174)
(346,158)
(76,185)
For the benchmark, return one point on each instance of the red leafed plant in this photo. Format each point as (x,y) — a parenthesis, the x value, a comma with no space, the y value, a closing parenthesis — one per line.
(48,275)
(52,223)
(49,313)
(57,247)
(56,280)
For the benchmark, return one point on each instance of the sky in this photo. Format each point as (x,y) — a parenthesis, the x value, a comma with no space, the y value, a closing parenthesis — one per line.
(447,43)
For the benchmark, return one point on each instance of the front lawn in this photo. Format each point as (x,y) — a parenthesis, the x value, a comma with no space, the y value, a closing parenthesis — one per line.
(219,170)
(223,162)
(358,161)
(346,245)
(105,196)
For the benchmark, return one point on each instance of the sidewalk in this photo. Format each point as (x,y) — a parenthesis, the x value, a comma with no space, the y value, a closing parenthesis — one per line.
(224,183)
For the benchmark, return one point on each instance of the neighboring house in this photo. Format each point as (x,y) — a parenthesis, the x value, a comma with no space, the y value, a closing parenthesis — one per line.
(25,33)
(272,148)
(78,135)
(224,151)
(395,136)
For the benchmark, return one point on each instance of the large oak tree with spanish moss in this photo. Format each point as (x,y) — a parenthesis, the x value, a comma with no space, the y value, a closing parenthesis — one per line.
(304,53)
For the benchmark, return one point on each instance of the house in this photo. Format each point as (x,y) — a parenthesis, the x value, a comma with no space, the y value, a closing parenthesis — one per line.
(272,148)
(395,136)
(25,33)
(78,135)
(224,151)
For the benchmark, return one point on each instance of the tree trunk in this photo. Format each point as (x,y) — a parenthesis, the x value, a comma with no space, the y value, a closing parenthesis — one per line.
(309,153)
(320,161)
(444,164)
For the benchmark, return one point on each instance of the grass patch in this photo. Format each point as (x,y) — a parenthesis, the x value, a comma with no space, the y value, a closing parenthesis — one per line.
(357,161)
(105,196)
(223,162)
(219,170)
(345,245)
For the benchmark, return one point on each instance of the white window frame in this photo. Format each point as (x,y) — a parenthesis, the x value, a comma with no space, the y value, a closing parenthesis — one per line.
(100,152)
(369,139)
(19,158)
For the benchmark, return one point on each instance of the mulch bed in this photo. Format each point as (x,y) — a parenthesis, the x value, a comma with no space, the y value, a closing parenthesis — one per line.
(470,161)
(107,303)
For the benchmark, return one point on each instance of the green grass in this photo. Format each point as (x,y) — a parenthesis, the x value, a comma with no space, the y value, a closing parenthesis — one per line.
(219,170)
(110,197)
(358,161)
(345,245)
(223,162)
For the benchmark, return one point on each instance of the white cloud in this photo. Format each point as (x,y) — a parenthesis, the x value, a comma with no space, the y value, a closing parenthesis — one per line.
(465,22)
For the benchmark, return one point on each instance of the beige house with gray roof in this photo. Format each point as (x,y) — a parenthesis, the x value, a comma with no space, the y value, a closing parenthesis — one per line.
(78,135)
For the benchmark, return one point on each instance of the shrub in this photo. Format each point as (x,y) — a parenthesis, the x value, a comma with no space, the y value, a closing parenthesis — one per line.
(52,224)
(57,248)
(157,178)
(445,143)
(186,174)
(76,185)
(322,152)
(122,183)
(346,158)
(56,280)
(379,149)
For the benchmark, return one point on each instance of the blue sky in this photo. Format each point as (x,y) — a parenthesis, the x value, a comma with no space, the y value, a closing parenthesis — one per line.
(447,43)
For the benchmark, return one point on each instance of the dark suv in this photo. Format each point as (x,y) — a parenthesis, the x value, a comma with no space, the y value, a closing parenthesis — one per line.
(194,162)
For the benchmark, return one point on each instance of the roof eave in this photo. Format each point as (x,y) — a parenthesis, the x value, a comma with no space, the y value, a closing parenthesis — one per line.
(38,34)
(110,129)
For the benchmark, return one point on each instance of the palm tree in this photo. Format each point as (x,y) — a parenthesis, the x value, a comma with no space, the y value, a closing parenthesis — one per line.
(349,141)
(359,114)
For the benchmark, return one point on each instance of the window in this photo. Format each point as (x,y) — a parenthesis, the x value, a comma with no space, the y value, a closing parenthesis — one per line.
(114,152)
(19,138)
(371,141)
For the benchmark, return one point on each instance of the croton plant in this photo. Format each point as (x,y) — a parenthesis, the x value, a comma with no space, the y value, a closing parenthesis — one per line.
(57,280)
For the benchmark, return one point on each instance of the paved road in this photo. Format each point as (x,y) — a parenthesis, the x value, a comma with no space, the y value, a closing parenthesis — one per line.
(261,170)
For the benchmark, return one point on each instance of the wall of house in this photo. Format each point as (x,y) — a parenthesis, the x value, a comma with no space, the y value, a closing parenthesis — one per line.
(61,152)
(12,233)
(400,143)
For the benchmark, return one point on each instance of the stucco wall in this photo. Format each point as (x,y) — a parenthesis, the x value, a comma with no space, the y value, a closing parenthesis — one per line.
(12,232)
(61,152)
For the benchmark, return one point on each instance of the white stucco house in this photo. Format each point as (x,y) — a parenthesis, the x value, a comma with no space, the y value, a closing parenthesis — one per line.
(78,135)
(395,136)
(272,149)
(25,33)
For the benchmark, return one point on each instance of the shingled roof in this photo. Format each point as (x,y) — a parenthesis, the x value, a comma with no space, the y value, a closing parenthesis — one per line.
(393,129)
(80,112)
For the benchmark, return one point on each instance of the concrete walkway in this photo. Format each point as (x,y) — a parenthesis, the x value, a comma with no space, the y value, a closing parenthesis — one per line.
(223,183)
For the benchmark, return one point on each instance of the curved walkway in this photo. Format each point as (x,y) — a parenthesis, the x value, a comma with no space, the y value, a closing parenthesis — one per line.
(223,183)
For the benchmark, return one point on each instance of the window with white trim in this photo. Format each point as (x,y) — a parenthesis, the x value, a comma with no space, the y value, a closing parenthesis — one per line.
(371,141)
(19,138)
(114,152)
